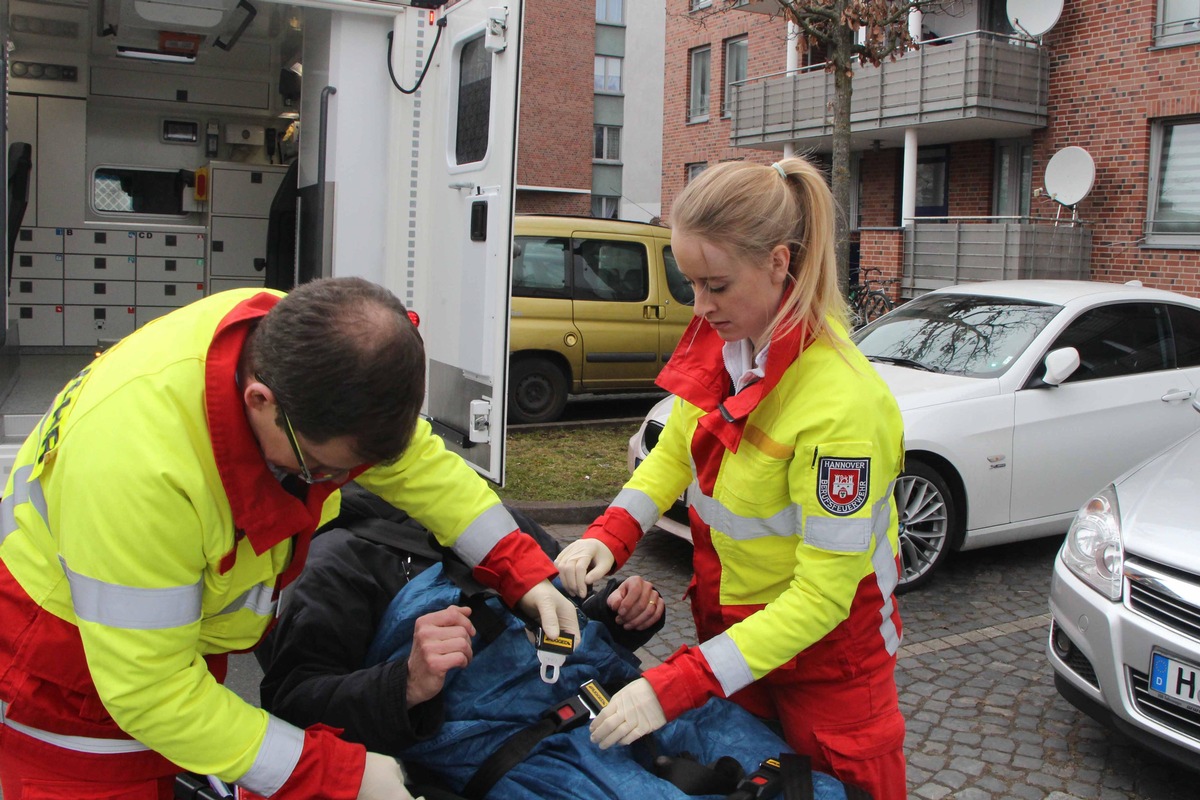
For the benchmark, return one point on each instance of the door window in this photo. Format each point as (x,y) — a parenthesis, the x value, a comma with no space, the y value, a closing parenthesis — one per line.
(540,267)
(1121,339)
(607,270)
(1185,333)
(679,286)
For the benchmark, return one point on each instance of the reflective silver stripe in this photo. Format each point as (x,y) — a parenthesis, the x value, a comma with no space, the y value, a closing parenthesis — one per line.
(886,574)
(278,756)
(79,744)
(640,507)
(727,663)
(130,607)
(840,534)
(24,491)
(259,599)
(482,534)
(716,516)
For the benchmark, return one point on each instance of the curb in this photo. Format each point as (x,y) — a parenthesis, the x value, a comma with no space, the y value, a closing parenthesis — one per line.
(580,512)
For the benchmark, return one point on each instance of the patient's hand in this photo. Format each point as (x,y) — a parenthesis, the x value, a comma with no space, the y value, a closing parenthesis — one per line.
(636,604)
(441,642)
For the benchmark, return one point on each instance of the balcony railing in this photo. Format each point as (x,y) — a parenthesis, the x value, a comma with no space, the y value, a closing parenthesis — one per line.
(976,75)
(945,251)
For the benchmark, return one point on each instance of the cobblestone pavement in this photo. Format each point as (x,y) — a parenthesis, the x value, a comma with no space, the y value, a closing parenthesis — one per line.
(984,719)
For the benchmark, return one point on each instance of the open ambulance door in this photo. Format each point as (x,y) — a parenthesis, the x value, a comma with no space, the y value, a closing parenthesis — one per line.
(442,241)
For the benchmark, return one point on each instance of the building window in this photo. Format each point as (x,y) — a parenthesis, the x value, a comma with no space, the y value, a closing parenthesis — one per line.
(604,207)
(610,12)
(608,74)
(1178,22)
(1174,207)
(933,183)
(700,85)
(697,4)
(694,170)
(607,143)
(736,52)
(1013,180)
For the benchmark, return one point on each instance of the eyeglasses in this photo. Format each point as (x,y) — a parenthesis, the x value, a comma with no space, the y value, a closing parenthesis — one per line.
(305,475)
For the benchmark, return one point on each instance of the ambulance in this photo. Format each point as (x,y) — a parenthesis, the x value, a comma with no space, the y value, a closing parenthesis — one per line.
(162,150)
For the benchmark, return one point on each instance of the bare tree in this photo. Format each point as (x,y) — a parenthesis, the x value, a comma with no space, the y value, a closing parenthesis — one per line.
(848,33)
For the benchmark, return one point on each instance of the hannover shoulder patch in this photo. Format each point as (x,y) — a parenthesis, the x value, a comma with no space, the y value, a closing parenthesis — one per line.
(843,484)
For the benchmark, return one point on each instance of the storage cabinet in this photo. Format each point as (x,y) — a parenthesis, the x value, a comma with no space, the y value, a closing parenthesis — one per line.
(36,294)
(239,203)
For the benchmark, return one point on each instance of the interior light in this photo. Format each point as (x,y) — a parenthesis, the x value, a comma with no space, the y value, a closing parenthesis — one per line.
(153,55)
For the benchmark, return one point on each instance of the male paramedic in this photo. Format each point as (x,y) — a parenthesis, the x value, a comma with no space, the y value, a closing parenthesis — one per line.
(169,493)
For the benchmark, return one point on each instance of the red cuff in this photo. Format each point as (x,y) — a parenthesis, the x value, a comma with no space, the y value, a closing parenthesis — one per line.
(618,531)
(329,768)
(514,566)
(683,682)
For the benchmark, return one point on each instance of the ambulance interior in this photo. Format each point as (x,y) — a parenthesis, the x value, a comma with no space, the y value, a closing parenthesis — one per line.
(156,136)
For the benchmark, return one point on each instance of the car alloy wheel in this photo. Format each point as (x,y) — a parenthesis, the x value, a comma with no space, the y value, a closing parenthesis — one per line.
(927,522)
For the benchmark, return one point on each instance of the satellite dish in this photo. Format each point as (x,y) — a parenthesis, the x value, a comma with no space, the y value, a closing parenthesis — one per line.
(1034,17)
(1069,175)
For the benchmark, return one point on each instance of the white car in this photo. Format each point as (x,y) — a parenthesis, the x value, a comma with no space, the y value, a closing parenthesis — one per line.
(1125,598)
(1020,398)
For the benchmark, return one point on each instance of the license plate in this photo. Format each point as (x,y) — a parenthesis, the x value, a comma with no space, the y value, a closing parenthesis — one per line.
(1175,680)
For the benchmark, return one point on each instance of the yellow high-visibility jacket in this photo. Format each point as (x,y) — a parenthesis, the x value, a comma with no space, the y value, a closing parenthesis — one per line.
(142,532)
(793,519)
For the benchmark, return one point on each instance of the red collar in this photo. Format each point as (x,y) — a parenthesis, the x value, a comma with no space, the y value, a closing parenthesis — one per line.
(696,372)
(261,507)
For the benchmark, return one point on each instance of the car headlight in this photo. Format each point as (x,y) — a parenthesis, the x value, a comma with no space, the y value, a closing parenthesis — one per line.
(1093,549)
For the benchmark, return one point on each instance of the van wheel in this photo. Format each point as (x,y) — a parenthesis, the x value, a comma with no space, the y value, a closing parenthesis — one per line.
(537,391)
(929,523)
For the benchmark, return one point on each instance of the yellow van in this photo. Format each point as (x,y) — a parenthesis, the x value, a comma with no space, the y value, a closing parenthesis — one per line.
(597,306)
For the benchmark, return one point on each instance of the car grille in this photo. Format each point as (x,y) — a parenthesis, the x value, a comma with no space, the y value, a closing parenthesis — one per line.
(1166,595)
(1182,720)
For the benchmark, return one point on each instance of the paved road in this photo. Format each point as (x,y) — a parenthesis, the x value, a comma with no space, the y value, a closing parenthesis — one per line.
(984,719)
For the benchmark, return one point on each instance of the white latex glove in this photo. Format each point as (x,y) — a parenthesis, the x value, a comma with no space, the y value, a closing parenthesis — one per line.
(383,779)
(631,714)
(582,563)
(556,613)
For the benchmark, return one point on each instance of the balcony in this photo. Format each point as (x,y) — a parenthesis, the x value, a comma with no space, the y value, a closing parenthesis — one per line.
(948,251)
(954,250)
(975,85)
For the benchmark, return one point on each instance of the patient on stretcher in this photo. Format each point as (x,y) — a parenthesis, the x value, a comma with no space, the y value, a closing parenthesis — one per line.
(365,638)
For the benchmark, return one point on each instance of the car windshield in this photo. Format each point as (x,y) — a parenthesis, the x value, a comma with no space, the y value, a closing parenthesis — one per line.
(959,334)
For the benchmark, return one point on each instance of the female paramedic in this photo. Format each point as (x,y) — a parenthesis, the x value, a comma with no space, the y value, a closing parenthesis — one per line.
(164,500)
(794,442)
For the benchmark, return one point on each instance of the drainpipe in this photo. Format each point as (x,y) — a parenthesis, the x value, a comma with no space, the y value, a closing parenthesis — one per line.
(792,63)
(908,189)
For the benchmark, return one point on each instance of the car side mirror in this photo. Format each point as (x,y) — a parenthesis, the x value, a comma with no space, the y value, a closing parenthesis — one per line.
(1060,365)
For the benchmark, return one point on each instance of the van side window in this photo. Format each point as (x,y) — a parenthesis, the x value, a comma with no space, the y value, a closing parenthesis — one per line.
(678,285)
(540,267)
(608,270)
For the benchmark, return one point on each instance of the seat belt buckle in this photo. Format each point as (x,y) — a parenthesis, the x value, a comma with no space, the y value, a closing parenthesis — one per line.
(569,714)
(766,781)
(579,708)
(552,653)
(594,697)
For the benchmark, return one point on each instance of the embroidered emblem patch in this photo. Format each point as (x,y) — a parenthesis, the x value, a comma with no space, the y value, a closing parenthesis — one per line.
(842,484)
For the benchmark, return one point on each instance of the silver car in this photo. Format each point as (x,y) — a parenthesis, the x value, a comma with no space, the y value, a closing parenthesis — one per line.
(1125,599)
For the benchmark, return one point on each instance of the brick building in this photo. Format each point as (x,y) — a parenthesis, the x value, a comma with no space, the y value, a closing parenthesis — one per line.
(982,110)
(590,133)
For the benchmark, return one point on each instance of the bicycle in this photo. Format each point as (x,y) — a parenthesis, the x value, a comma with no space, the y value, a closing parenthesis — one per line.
(867,299)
